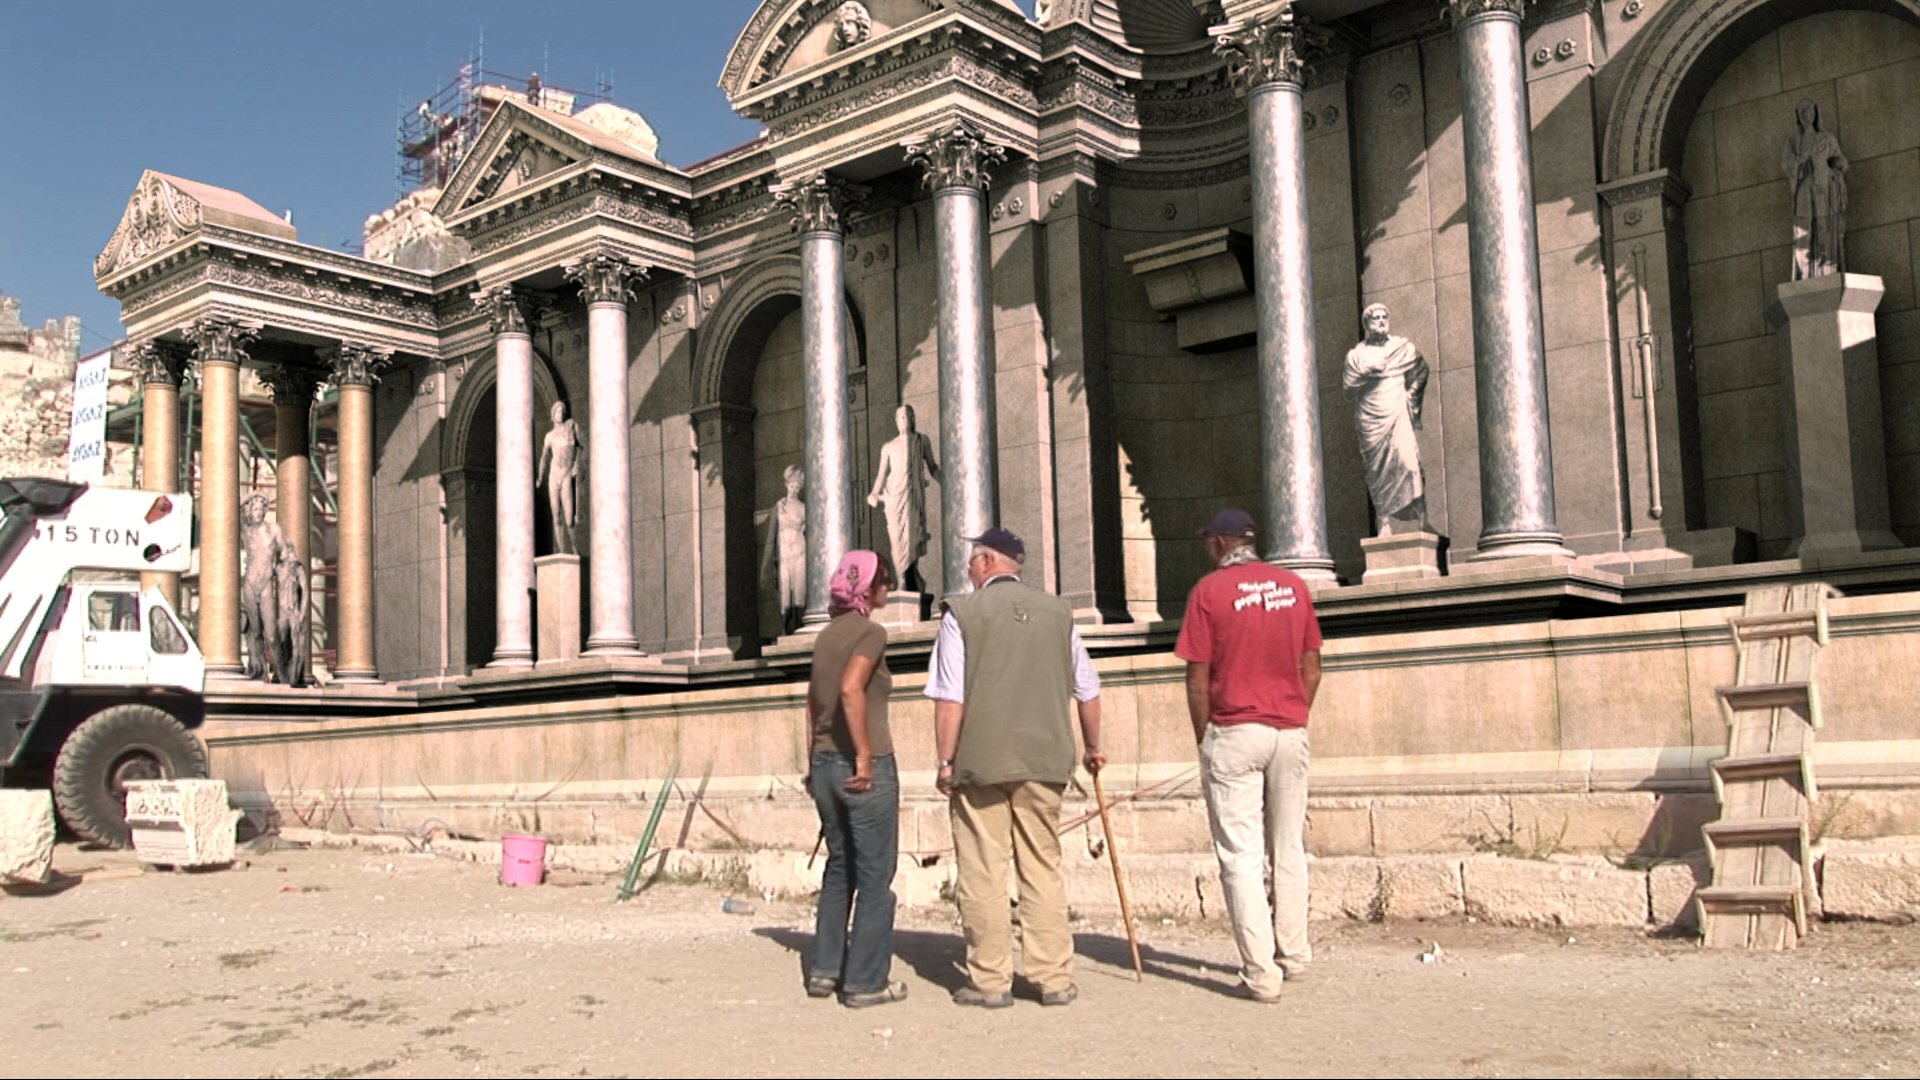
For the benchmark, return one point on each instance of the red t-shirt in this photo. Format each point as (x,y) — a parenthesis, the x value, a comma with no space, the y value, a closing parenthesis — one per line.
(1252,623)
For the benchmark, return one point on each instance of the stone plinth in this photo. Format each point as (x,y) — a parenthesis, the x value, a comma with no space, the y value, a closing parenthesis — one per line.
(26,835)
(181,822)
(1402,557)
(557,585)
(905,609)
(1829,362)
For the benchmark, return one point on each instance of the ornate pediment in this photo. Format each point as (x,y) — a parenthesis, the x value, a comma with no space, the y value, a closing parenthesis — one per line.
(518,148)
(158,216)
(785,36)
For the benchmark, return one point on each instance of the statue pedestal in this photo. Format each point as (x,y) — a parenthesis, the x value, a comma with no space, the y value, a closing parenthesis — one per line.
(1829,362)
(556,586)
(1411,556)
(904,609)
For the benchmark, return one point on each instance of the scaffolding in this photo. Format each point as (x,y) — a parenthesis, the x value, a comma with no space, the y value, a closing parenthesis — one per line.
(437,133)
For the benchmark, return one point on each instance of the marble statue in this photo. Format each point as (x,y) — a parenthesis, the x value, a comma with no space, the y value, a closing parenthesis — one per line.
(1817,170)
(293,649)
(259,595)
(851,24)
(1386,379)
(900,489)
(561,451)
(786,551)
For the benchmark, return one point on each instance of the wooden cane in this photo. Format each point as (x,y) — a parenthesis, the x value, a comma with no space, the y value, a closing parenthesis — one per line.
(1119,880)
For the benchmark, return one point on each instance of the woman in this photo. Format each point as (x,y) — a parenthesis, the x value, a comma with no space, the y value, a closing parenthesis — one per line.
(856,788)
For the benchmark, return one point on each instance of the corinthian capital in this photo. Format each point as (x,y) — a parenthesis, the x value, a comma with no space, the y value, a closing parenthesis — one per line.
(357,365)
(292,384)
(220,341)
(819,201)
(1274,46)
(505,313)
(605,278)
(954,157)
(1462,10)
(160,363)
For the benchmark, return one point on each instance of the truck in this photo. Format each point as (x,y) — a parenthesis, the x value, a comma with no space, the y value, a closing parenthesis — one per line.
(100,683)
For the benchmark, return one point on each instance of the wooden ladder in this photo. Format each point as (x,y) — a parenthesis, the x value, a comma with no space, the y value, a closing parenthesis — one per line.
(1760,848)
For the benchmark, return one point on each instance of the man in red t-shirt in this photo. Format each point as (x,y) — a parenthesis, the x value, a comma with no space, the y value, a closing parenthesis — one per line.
(1252,647)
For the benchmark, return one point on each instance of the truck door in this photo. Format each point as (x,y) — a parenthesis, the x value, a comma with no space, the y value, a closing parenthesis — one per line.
(174,660)
(113,647)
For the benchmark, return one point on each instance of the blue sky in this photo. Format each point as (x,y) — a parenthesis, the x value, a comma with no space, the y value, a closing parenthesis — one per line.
(295,105)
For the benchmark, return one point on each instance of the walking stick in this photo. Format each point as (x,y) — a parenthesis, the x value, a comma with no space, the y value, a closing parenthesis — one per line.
(1119,881)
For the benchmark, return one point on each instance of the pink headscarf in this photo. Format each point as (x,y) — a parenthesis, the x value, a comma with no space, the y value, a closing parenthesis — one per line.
(852,580)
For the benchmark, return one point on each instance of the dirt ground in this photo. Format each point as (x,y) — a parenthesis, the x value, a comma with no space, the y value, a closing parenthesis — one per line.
(337,963)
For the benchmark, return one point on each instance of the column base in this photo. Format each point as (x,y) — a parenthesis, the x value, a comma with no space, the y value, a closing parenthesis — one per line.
(904,609)
(1414,556)
(1315,572)
(1522,545)
(515,660)
(812,623)
(614,647)
(227,671)
(360,675)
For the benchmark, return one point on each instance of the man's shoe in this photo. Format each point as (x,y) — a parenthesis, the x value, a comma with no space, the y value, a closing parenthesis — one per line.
(893,991)
(1248,992)
(1296,970)
(968,995)
(1060,997)
(822,986)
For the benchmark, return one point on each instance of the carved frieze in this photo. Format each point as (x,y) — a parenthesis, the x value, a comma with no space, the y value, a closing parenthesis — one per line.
(322,295)
(818,202)
(957,68)
(956,156)
(605,278)
(157,216)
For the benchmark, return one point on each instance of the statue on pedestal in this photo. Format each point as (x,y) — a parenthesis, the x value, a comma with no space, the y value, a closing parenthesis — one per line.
(900,489)
(1817,170)
(562,451)
(262,542)
(786,551)
(1386,379)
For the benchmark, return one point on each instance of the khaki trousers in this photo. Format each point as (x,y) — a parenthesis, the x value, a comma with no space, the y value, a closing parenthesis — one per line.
(992,823)
(1255,779)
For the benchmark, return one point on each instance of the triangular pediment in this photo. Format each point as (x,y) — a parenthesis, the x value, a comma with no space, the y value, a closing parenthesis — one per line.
(165,210)
(787,36)
(517,149)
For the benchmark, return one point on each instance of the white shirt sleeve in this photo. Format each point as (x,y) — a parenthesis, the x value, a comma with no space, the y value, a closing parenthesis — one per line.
(1086,681)
(947,672)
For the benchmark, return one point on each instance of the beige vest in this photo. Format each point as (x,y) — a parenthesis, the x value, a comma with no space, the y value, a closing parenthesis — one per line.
(1019,677)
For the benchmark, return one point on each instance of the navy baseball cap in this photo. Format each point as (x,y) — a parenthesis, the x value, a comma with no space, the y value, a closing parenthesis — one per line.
(1232,521)
(1002,541)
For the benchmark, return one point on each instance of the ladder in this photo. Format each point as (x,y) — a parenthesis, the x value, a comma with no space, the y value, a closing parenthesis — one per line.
(1760,849)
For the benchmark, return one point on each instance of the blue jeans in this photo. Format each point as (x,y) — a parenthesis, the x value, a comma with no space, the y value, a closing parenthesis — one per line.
(863,846)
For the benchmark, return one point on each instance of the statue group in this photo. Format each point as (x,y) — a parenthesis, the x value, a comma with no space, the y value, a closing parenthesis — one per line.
(273,592)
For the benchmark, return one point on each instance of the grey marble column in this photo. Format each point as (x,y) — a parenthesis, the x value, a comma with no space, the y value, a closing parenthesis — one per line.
(1509,344)
(955,159)
(606,284)
(1267,55)
(817,203)
(513,478)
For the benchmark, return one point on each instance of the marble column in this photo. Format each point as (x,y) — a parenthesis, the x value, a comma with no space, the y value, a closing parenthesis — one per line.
(220,347)
(293,389)
(817,204)
(955,160)
(513,478)
(1509,345)
(1267,57)
(606,284)
(355,372)
(163,367)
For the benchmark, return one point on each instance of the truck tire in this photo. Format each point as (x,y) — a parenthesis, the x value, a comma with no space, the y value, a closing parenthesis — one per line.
(115,745)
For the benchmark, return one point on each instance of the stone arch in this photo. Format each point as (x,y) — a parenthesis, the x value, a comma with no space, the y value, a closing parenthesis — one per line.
(1676,60)
(730,334)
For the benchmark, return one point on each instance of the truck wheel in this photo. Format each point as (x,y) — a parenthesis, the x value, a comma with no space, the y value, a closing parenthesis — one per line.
(125,742)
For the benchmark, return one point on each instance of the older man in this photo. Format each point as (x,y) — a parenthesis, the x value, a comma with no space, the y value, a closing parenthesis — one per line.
(1005,661)
(1252,647)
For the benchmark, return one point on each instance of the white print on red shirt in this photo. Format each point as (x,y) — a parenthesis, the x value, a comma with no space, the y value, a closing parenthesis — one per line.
(1270,594)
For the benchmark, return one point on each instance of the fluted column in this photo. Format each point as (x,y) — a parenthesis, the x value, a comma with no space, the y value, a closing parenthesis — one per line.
(513,478)
(817,204)
(1509,344)
(220,347)
(955,161)
(606,283)
(1267,56)
(163,367)
(355,371)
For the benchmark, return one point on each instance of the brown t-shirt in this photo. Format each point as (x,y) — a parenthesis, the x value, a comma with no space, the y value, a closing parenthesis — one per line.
(850,634)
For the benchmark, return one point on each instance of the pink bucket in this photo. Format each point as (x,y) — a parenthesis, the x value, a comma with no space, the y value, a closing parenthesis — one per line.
(523,859)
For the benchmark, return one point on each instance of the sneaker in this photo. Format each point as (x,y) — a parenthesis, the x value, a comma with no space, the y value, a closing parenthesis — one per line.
(822,986)
(968,995)
(1061,997)
(1248,992)
(893,991)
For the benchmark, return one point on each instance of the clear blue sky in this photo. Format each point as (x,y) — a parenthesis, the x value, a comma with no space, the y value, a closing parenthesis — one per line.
(295,105)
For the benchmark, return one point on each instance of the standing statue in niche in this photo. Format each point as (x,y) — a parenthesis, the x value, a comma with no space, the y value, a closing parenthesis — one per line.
(851,24)
(262,542)
(1818,172)
(562,452)
(294,649)
(786,551)
(1386,379)
(900,489)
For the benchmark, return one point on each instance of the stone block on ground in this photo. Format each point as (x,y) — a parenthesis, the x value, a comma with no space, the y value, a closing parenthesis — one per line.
(182,822)
(1872,880)
(1421,887)
(1343,888)
(1554,892)
(1670,888)
(1339,827)
(26,835)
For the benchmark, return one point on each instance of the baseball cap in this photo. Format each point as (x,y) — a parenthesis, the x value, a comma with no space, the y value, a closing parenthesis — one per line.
(1232,521)
(1002,541)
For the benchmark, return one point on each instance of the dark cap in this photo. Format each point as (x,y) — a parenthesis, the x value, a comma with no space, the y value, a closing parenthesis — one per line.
(1232,521)
(1002,541)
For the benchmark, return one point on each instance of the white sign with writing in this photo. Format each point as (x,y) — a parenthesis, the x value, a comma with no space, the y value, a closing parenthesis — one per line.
(87,452)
